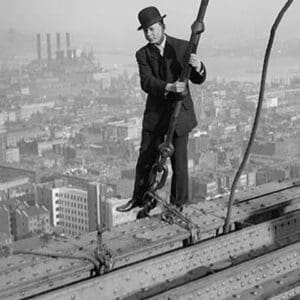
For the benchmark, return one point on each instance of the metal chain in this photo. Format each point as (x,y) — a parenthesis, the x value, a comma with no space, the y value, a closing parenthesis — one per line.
(176,215)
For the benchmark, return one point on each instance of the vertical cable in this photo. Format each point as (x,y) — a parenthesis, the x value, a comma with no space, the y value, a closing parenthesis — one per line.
(257,114)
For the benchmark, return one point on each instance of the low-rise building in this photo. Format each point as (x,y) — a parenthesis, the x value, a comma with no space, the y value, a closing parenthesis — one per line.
(203,188)
(12,155)
(30,220)
(5,223)
(14,187)
(5,239)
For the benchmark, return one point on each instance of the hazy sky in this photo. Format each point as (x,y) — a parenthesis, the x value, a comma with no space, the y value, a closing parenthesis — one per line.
(113,23)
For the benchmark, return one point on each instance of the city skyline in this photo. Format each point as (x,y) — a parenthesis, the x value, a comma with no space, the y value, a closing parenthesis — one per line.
(99,24)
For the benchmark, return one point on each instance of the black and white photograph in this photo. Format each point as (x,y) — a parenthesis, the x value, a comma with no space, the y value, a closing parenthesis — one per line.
(149,149)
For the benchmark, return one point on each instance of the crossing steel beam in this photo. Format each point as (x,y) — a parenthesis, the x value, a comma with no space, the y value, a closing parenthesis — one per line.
(283,287)
(232,283)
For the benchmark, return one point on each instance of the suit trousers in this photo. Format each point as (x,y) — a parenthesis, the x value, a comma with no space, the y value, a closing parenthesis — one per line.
(179,161)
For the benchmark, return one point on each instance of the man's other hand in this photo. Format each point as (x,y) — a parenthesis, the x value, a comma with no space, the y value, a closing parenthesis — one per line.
(176,87)
(195,62)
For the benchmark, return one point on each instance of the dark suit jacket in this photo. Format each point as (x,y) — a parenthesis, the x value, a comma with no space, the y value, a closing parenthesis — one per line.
(155,72)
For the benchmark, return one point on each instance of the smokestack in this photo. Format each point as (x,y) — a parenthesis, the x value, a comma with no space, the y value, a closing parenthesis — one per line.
(57,41)
(62,55)
(58,52)
(68,44)
(39,46)
(74,54)
(49,46)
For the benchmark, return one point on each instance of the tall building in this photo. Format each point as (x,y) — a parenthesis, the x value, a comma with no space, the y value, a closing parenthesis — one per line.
(47,195)
(77,211)
(71,209)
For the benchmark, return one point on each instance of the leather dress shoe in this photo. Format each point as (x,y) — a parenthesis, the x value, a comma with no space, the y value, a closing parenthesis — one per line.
(131,204)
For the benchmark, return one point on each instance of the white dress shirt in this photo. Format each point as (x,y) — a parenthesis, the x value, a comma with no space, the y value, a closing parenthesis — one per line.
(161,46)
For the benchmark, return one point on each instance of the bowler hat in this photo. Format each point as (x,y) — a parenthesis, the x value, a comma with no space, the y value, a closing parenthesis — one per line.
(149,16)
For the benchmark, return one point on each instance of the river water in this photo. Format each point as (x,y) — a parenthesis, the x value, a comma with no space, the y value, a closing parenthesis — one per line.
(221,67)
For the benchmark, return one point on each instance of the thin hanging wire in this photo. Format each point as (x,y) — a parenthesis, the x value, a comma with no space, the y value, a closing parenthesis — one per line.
(257,114)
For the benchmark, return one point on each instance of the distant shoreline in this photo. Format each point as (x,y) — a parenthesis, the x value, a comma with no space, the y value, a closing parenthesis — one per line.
(223,67)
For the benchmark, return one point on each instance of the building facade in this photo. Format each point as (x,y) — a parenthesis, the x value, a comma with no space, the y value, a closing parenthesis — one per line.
(30,220)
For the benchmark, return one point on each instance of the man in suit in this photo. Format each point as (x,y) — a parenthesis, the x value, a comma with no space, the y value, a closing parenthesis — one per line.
(160,63)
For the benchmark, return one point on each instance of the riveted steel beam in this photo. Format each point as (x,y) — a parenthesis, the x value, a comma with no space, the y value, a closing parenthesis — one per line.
(233,282)
(292,292)
(181,266)
(282,287)
(139,241)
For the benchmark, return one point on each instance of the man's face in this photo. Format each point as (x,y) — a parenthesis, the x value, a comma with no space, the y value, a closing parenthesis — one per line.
(154,33)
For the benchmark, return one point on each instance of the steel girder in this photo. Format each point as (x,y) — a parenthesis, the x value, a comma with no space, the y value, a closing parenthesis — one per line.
(232,283)
(179,267)
(137,241)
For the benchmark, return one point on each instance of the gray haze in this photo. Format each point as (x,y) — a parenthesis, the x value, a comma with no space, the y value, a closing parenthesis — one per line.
(111,25)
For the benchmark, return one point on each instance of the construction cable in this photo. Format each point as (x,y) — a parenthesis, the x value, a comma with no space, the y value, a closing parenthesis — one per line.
(55,255)
(257,114)
(6,251)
